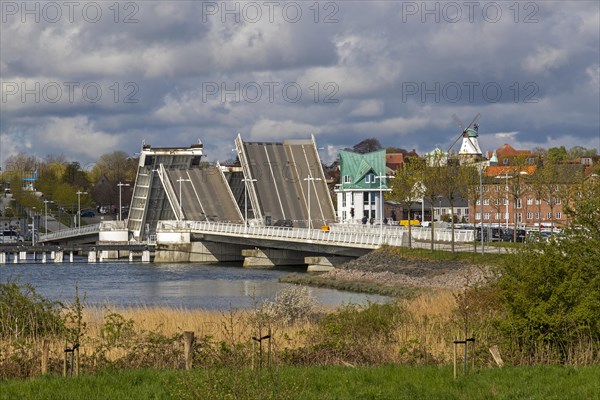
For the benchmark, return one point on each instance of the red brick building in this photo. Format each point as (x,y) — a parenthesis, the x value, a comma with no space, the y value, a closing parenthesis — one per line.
(514,195)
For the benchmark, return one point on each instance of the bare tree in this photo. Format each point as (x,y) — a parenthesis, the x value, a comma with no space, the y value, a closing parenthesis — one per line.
(407,188)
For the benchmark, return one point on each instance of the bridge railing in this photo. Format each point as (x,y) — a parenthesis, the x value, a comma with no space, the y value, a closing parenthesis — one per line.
(66,233)
(369,239)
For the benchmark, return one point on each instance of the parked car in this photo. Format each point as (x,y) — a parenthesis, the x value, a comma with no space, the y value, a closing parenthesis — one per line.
(88,214)
(508,235)
(286,223)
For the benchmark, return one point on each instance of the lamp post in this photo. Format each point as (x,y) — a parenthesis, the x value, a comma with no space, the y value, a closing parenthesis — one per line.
(120,185)
(308,180)
(79,193)
(481,205)
(180,198)
(381,178)
(33,228)
(246,180)
(46,213)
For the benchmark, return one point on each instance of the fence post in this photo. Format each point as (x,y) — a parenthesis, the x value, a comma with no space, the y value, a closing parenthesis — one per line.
(45,354)
(188,348)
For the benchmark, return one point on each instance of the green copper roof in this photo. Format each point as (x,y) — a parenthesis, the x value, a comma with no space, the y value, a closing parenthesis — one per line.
(357,166)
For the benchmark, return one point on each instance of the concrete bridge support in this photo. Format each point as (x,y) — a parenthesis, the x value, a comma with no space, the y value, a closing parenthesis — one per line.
(92,256)
(269,258)
(200,252)
(58,256)
(2,258)
(325,263)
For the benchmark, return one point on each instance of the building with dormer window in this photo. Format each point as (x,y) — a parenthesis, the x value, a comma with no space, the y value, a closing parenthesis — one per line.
(361,187)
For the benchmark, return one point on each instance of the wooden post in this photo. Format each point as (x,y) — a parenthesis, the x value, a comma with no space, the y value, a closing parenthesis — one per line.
(188,348)
(454,358)
(45,354)
(65,361)
(76,361)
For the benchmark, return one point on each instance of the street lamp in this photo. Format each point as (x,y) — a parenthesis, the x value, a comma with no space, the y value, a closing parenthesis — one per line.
(308,180)
(33,228)
(46,213)
(481,205)
(120,185)
(79,193)
(246,180)
(180,198)
(381,178)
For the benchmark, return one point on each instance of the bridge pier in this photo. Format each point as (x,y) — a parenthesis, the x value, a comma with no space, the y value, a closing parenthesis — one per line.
(92,256)
(58,256)
(200,252)
(2,258)
(22,255)
(325,263)
(16,259)
(269,258)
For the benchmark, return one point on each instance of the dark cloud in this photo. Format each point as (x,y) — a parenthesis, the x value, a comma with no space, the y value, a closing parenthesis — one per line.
(175,72)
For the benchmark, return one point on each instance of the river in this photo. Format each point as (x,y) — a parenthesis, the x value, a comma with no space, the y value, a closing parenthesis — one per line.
(192,286)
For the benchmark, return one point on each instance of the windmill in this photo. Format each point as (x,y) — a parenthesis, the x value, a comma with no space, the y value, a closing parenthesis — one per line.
(469,148)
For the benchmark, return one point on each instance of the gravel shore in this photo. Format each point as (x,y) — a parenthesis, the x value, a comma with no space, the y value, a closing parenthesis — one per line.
(385,268)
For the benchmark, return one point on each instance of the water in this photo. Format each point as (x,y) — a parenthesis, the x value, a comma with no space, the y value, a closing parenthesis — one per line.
(193,286)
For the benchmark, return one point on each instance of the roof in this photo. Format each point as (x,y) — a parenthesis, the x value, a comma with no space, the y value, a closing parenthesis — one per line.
(509,169)
(506,150)
(356,166)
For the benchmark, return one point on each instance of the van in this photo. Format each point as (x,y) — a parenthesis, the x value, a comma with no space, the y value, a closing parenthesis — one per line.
(10,236)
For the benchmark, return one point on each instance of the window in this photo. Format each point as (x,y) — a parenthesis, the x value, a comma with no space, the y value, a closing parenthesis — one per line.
(346,178)
(458,211)
(530,160)
(343,199)
(496,188)
(486,189)
(537,202)
(558,215)
(477,216)
(497,216)
(478,202)
(529,215)
(486,215)
(518,203)
(557,200)
(537,215)
(505,202)
(519,217)
(370,178)
(505,161)
(366,198)
(466,212)
(373,194)
(496,202)
(506,216)
(486,202)
(549,215)
(529,202)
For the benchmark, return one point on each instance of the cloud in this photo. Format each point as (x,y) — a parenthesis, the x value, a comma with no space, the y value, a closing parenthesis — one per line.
(545,59)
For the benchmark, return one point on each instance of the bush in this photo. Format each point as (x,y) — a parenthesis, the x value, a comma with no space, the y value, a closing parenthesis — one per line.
(26,314)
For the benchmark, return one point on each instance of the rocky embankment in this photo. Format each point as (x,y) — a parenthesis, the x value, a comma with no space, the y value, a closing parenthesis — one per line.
(388,269)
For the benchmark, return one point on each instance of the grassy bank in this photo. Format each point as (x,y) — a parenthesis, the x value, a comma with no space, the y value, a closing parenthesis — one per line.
(384,382)
(352,286)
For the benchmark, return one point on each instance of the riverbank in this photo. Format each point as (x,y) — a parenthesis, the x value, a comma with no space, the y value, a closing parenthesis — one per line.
(403,273)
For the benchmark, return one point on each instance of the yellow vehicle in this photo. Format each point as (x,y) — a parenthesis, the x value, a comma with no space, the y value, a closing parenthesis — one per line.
(413,222)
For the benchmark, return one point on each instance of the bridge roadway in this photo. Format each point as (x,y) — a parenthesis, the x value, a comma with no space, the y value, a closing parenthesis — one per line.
(347,240)
(278,185)
(205,195)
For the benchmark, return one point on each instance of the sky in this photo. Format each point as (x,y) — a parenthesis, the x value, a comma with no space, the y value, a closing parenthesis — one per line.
(83,79)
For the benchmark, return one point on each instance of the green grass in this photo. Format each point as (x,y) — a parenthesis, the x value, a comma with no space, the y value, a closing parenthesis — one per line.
(386,382)
(350,286)
(441,255)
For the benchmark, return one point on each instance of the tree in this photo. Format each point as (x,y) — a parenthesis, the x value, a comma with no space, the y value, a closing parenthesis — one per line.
(116,167)
(367,146)
(470,179)
(557,155)
(450,189)
(551,289)
(75,176)
(432,182)
(406,189)
(579,151)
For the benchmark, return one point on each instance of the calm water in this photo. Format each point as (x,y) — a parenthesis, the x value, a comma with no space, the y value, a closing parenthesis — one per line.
(210,287)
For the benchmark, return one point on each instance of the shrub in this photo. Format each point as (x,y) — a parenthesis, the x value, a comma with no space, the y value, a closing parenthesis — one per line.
(26,314)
